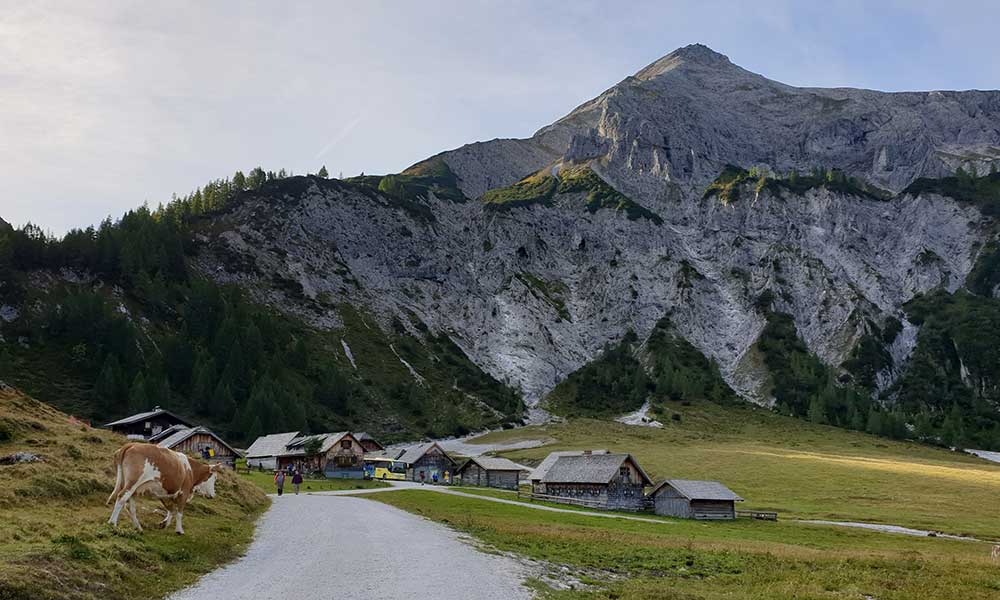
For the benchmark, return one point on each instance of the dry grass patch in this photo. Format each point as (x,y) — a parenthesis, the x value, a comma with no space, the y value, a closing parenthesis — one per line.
(56,543)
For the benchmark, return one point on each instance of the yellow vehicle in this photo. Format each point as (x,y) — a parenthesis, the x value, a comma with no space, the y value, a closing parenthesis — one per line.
(384,468)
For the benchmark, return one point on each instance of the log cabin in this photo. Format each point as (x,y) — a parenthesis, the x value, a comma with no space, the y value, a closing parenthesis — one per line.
(424,461)
(610,481)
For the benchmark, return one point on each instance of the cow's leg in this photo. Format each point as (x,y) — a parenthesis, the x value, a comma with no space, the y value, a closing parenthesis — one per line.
(122,499)
(132,512)
(118,485)
(180,527)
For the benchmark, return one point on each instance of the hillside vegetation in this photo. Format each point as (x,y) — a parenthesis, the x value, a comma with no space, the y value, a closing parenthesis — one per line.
(53,520)
(114,320)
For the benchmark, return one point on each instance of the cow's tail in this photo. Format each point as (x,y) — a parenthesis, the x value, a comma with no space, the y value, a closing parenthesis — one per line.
(119,473)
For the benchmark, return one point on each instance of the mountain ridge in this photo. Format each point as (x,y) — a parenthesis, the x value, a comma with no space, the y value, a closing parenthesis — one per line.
(770,226)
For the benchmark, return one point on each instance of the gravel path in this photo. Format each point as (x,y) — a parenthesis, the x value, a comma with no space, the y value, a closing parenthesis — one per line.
(331,546)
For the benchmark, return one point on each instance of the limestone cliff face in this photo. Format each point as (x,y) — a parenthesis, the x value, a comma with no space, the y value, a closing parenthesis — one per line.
(533,292)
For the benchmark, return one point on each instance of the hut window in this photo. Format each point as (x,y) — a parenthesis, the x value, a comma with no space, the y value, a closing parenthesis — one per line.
(625,473)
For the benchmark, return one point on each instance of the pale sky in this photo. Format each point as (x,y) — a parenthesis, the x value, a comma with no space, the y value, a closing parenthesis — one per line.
(106,105)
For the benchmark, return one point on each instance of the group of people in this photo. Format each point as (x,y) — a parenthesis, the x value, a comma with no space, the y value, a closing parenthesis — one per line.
(279,481)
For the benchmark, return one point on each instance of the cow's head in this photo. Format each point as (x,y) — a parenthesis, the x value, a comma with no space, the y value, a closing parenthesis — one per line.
(206,487)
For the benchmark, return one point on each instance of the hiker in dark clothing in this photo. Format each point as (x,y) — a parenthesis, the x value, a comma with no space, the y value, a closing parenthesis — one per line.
(296,481)
(279,480)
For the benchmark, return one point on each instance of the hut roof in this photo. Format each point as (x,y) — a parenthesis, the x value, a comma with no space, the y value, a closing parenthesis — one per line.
(271,445)
(138,417)
(415,453)
(297,446)
(365,436)
(551,459)
(492,463)
(182,434)
(169,431)
(590,468)
(694,489)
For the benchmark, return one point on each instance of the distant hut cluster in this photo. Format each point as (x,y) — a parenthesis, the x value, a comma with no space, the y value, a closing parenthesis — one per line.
(168,430)
(615,481)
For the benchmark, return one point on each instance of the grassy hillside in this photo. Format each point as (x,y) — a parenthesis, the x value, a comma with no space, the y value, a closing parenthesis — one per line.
(53,521)
(799,469)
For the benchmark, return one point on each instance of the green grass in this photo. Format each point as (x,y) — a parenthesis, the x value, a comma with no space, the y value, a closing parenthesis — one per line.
(534,189)
(794,467)
(733,183)
(265,481)
(53,521)
(543,188)
(739,559)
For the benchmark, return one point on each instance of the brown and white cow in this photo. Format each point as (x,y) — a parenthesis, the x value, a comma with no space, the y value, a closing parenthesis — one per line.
(171,477)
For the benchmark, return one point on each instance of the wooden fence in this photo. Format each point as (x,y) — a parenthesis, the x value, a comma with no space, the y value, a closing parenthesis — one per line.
(763,515)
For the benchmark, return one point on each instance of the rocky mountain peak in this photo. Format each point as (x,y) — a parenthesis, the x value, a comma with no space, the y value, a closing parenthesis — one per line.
(696,54)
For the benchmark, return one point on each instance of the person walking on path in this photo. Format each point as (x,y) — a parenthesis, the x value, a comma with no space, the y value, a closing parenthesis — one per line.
(297,481)
(279,480)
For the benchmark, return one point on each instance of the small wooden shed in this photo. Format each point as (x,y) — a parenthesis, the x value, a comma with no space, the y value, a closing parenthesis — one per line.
(197,441)
(490,471)
(694,499)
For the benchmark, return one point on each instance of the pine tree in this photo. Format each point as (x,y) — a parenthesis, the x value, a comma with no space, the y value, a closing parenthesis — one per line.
(255,430)
(223,405)
(203,385)
(817,410)
(110,386)
(137,401)
(323,172)
(874,425)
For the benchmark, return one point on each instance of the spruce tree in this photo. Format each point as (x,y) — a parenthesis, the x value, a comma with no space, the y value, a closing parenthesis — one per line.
(223,405)
(110,386)
(817,410)
(137,401)
(323,172)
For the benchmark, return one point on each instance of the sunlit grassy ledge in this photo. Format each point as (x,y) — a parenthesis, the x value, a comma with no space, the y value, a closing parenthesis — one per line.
(54,540)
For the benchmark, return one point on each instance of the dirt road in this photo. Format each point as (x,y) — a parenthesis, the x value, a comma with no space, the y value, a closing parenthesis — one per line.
(331,547)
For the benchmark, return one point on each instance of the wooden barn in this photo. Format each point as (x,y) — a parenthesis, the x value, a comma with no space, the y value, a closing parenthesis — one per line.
(613,481)
(424,461)
(197,441)
(538,473)
(692,499)
(490,472)
(145,425)
(368,442)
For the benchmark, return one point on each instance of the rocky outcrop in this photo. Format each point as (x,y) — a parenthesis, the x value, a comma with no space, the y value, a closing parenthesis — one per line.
(533,290)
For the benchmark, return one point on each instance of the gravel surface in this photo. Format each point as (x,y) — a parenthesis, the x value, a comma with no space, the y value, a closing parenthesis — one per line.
(332,547)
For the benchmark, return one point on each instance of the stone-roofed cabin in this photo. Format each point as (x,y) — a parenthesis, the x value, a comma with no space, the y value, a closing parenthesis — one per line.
(490,471)
(145,425)
(613,481)
(693,499)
